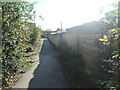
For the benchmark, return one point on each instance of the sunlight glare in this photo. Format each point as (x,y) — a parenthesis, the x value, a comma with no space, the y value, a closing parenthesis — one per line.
(70,12)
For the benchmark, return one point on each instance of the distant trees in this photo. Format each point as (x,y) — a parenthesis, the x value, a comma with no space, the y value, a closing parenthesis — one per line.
(46,33)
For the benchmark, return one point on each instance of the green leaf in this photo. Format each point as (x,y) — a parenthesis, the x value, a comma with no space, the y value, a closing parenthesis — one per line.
(105,20)
(8,24)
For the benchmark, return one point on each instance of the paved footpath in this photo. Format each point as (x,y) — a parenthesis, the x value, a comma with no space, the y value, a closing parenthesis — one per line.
(48,73)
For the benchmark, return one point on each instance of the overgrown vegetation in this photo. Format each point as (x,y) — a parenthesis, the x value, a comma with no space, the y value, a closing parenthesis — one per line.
(19,39)
(111,57)
(108,62)
(74,68)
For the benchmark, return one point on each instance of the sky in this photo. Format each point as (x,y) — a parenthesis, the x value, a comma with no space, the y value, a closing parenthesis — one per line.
(69,12)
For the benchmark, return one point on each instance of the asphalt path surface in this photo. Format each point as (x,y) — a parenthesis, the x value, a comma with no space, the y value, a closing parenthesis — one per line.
(48,73)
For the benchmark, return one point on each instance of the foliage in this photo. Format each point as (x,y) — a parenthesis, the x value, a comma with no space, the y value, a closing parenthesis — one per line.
(74,67)
(111,40)
(113,33)
(16,37)
(32,33)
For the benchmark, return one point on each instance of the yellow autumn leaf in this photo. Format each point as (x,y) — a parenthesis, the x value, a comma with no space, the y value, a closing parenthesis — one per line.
(106,40)
(105,37)
(116,35)
(2,49)
(101,39)
(108,43)
(104,43)
(112,30)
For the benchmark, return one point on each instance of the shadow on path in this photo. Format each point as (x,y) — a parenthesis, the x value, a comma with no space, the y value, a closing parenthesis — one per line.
(48,74)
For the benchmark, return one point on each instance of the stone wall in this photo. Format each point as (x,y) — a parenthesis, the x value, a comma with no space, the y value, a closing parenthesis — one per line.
(83,39)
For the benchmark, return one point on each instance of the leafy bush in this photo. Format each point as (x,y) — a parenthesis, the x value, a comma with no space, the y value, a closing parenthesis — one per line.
(111,41)
(15,38)
(29,49)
